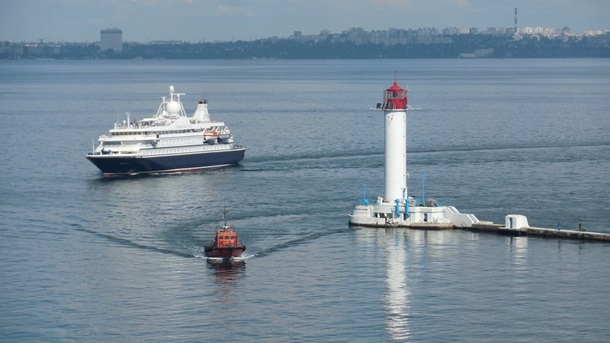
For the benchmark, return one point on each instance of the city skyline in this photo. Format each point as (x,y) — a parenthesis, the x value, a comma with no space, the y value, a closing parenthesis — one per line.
(210,20)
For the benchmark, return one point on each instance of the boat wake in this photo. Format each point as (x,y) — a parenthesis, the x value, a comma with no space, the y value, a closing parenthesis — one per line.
(222,259)
(132,244)
(298,241)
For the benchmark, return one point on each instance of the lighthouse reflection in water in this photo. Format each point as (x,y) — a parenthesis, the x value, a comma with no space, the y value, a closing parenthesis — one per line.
(396,297)
(397,294)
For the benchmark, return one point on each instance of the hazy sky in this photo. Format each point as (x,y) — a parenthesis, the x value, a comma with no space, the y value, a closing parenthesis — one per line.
(213,20)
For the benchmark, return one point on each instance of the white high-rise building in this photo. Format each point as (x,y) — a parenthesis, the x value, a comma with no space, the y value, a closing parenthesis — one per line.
(111,39)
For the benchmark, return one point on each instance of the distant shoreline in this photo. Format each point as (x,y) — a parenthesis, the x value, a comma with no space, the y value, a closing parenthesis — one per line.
(445,47)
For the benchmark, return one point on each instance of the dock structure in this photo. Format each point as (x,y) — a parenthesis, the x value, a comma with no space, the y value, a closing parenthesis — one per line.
(539,232)
(515,225)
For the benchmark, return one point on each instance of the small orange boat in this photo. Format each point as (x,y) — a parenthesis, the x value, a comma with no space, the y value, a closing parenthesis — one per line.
(226,243)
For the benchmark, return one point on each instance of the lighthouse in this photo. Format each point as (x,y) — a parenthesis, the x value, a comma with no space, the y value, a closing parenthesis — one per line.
(396,208)
(395,112)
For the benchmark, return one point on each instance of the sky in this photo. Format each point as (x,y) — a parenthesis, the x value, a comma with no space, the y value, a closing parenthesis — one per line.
(228,20)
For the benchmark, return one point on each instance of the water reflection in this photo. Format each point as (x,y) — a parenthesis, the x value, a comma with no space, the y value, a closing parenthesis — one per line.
(518,251)
(397,295)
(160,211)
(156,194)
(396,298)
(226,272)
(226,275)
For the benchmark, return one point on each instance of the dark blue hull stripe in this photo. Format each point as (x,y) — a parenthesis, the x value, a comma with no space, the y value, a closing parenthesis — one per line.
(130,165)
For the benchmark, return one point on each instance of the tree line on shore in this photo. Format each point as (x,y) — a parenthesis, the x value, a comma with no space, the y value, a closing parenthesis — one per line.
(457,46)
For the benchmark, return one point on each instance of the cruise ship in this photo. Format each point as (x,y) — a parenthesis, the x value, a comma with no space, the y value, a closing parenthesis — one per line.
(168,142)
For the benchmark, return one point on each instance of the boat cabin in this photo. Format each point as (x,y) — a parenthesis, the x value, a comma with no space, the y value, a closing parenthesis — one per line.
(226,238)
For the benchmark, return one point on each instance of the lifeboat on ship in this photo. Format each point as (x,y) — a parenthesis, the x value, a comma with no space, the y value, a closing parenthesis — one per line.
(210,136)
(226,243)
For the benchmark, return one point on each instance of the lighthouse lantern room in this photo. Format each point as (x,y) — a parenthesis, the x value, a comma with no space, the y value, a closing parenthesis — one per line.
(395,98)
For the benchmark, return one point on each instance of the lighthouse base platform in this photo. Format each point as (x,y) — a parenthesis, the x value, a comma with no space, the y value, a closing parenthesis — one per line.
(384,215)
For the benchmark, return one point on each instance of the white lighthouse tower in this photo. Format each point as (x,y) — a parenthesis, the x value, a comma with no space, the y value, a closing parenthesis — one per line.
(396,208)
(394,107)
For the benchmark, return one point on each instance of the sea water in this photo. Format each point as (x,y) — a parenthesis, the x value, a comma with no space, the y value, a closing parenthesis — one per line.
(83,258)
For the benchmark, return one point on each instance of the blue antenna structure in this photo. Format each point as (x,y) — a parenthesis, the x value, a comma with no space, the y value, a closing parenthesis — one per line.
(364,200)
(423,188)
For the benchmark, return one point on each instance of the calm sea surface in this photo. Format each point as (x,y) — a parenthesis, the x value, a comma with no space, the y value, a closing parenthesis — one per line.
(85,259)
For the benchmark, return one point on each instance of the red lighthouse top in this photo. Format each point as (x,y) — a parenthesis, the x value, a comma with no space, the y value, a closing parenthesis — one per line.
(395,98)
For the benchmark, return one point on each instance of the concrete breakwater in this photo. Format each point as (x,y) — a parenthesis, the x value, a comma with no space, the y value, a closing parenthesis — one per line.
(538,231)
(515,225)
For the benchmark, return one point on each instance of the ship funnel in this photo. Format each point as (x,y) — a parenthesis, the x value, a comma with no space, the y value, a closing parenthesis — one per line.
(201,114)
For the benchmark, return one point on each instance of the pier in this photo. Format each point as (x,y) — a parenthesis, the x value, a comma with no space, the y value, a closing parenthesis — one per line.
(489,227)
(538,231)
(515,225)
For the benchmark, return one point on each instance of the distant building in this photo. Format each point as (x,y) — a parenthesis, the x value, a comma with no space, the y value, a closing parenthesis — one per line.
(111,39)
